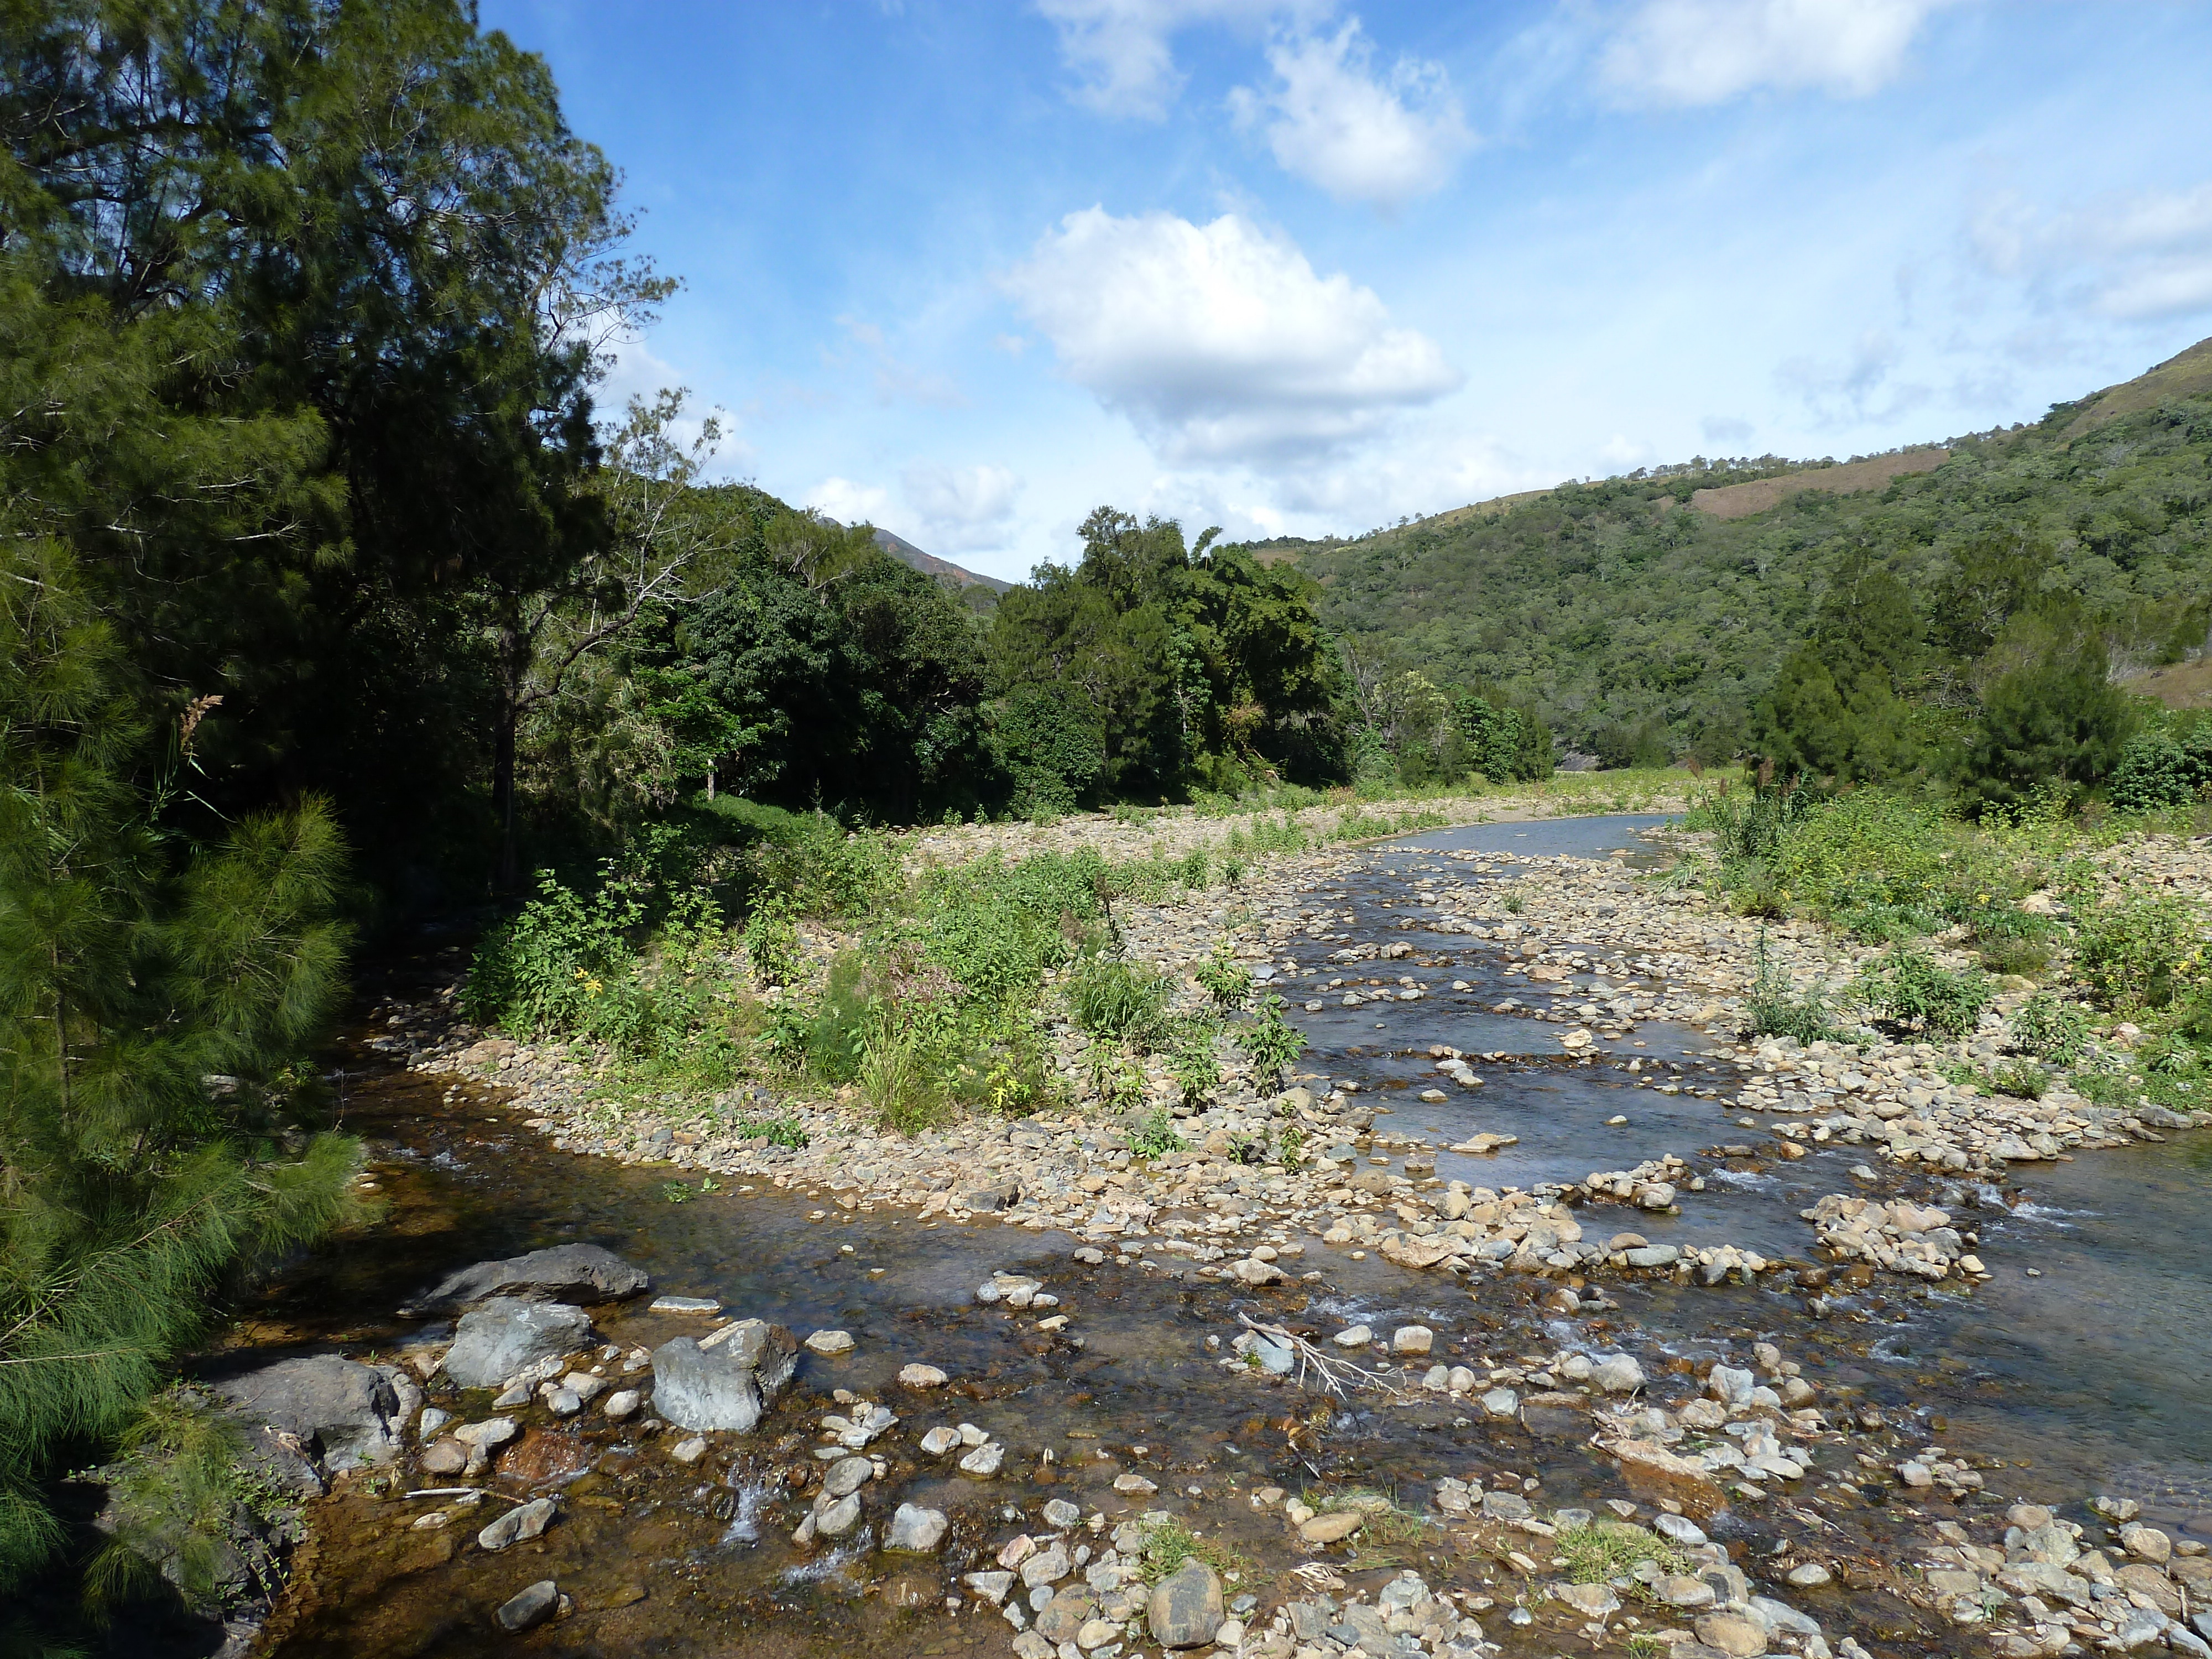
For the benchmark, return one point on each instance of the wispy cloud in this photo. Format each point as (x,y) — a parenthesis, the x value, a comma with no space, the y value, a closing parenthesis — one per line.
(1362,137)
(1706,51)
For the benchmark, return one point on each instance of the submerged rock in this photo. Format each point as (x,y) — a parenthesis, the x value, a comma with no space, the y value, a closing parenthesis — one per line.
(529,1607)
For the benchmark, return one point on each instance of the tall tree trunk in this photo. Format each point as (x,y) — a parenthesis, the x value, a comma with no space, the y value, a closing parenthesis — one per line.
(503,763)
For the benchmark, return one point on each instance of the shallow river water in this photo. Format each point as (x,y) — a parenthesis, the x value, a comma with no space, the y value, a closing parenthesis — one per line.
(2096,1376)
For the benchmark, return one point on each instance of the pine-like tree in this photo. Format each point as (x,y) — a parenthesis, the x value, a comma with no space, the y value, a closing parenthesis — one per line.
(155,1001)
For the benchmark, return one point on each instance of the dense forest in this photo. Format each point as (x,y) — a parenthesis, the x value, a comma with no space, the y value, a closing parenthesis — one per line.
(1643,630)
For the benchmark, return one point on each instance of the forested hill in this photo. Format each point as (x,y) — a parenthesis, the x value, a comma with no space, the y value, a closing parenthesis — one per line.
(1640,625)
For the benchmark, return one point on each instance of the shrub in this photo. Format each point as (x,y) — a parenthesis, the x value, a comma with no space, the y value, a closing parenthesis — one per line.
(771,942)
(1192,1059)
(1155,1137)
(2050,1030)
(1272,1042)
(1226,980)
(2023,1079)
(1909,987)
(1052,745)
(1772,1010)
(540,971)
(2141,953)
(2166,766)
(780,1130)
(1118,1000)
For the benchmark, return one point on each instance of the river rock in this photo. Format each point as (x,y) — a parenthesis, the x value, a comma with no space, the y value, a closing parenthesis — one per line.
(1591,1601)
(1617,1373)
(686,1304)
(529,1607)
(1730,1385)
(847,1475)
(830,1342)
(916,1530)
(1736,1631)
(579,1273)
(726,1386)
(922,1376)
(1185,1609)
(517,1525)
(507,1333)
(770,1351)
(984,1461)
(1332,1528)
(347,1414)
(839,1516)
(2147,1544)
(1411,1338)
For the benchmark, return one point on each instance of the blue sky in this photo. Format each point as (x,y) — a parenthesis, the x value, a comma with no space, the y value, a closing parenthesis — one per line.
(1292,267)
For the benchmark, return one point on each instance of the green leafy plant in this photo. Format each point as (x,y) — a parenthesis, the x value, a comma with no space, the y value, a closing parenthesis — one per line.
(771,942)
(1773,1009)
(1122,1001)
(1156,1137)
(1270,1041)
(2142,953)
(1225,979)
(1191,1057)
(1908,987)
(781,1130)
(2050,1030)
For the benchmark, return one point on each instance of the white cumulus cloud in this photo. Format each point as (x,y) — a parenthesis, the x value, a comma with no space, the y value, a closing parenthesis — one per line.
(960,508)
(1360,136)
(1705,51)
(1219,341)
(848,502)
(1123,50)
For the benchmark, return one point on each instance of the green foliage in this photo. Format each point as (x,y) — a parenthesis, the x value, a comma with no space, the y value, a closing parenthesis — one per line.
(1225,979)
(1156,1137)
(780,1130)
(1191,1057)
(1118,1001)
(1773,1010)
(184,1510)
(1270,1041)
(2142,952)
(1609,1550)
(771,941)
(2050,1030)
(1620,612)
(2023,1079)
(157,1003)
(2056,715)
(1909,987)
(1053,748)
(1175,666)
(2167,765)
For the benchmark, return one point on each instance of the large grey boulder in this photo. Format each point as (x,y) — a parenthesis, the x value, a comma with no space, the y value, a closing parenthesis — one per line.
(1186,1609)
(581,1273)
(727,1382)
(497,1341)
(345,1415)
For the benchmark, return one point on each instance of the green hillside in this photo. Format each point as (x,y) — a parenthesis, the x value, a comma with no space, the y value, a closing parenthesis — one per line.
(1637,624)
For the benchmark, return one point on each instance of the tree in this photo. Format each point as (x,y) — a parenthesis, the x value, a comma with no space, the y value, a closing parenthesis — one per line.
(1187,658)
(2054,718)
(155,1003)
(1835,709)
(306,301)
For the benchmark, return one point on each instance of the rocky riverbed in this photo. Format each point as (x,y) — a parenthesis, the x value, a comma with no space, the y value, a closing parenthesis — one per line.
(1443,1382)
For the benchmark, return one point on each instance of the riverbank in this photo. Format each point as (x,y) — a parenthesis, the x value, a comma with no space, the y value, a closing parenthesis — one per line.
(1144,1335)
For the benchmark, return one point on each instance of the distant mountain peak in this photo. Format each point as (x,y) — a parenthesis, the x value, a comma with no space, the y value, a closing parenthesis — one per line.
(930,565)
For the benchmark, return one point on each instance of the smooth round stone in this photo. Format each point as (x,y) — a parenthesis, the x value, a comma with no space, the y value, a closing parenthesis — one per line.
(1809,1576)
(830,1342)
